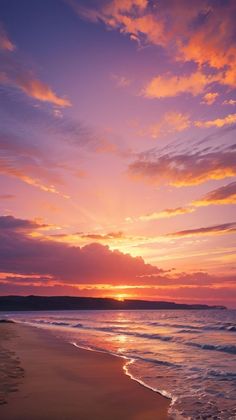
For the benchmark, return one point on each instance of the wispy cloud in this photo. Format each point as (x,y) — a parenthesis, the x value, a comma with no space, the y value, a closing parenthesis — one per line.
(171,121)
(166,213)
(14,73)
(184,168)
(37,89)
(5,43)
(221,195)
(229,102)
(26,162)
(121,81)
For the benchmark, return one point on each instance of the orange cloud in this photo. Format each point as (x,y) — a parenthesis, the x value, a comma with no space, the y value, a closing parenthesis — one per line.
(166,213)
(202,33)
(218,122)
(111,13)
(212,41)
(33,87)
(40,91)
(168,86)
(210,98)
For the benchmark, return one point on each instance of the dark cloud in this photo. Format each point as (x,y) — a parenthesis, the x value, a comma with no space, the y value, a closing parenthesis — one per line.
(22,254)
(42,266)
(11,224)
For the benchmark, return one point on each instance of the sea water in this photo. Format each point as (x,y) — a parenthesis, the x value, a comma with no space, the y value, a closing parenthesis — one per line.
(189,356)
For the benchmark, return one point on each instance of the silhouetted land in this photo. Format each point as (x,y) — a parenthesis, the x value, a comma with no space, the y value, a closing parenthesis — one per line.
(53,303)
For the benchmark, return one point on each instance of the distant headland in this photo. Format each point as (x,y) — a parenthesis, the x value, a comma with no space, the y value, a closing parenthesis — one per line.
(50,303)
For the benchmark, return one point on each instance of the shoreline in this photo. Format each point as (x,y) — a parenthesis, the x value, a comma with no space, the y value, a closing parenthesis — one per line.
(129,361)
(63,379)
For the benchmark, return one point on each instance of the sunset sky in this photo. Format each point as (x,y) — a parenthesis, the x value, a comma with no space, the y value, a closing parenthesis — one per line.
(117,149)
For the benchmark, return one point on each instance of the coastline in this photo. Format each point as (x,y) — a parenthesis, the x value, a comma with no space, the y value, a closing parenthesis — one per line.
(47,378)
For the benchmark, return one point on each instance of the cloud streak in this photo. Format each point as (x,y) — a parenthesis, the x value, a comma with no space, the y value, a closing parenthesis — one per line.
(5,43)
(104,237)
(13,73)
(221,195)
(27,163)
(186,168)
(229,102)
(166,213)
(222,229)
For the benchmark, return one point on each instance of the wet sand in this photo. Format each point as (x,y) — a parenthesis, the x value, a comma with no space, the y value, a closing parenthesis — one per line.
(42,378)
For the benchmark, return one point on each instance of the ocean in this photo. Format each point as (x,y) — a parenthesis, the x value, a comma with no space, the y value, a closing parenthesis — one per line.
(189,356)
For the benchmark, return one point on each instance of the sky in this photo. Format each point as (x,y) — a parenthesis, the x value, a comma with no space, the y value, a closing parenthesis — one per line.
(117,149)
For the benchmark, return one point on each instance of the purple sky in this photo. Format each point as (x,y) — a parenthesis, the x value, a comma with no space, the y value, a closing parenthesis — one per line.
(117,148)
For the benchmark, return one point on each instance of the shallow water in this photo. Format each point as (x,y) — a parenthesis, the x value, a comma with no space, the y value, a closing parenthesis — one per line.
(187,355)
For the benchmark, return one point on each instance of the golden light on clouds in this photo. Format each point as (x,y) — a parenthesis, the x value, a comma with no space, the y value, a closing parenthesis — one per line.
(118,177)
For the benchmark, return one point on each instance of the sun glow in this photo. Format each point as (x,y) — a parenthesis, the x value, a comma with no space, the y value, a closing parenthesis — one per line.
(121,296)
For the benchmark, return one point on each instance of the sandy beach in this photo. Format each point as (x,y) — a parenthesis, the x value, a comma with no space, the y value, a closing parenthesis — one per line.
(42,377)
